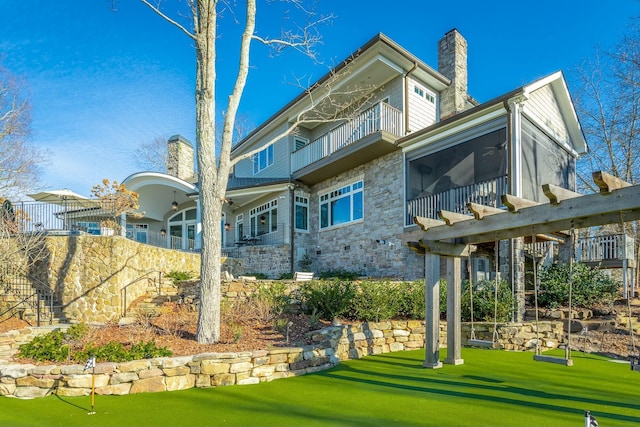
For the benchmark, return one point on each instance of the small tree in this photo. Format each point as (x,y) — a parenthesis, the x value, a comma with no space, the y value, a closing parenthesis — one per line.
(116,200)
(20,161)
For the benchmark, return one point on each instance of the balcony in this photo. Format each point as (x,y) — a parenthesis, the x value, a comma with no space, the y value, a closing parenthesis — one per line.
(486,193)
(606,251)
(370,135)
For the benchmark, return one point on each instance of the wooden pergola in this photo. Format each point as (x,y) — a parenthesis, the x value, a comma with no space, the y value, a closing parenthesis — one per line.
(456,235)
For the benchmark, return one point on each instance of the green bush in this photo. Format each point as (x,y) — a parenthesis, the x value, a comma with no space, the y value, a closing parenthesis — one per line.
(589,286)
(411,300)
(339,274)
(375,301)
(180,276)
(285,276)
(54,347)
(327,299)
(484,301)
(259,276)
(271,301)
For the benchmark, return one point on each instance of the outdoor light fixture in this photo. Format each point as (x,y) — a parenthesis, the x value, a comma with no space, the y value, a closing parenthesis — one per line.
(227,226)
(174,204)
(163,232)
(262,219)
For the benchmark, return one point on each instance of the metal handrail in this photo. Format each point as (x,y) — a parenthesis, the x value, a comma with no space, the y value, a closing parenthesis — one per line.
(30,283)
(123,291)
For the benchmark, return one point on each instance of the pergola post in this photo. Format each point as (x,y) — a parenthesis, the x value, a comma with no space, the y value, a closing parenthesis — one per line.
(454,322)
(432,316)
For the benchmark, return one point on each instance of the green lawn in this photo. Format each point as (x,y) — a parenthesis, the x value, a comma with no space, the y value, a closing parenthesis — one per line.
(492,388)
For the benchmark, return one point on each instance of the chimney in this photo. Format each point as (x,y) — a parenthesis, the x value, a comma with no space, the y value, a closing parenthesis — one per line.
(452,63)
(180,158)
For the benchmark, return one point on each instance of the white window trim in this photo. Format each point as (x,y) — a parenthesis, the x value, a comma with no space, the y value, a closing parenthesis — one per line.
(269,153)
(263,209)
(304,204)
(350,195)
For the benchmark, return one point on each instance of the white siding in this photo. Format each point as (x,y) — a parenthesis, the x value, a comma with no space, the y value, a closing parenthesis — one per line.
(422,112)
(543,109)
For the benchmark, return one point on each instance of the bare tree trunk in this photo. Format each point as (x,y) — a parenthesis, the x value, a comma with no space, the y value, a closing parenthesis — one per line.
(210,200)
(214,177)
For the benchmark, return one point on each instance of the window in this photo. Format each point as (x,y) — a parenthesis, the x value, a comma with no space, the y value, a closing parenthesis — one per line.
(302,213)
(89,227)
(299,142)
(264,218)
(137,232)
(263,159)
(424,94)
(239,228)
(342,206)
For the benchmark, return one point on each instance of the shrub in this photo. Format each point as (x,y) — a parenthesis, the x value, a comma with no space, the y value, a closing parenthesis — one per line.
(285,276)
(270,301)
(258,276)
(180,276)
(589,286)
(55,347)
(484,309)
(375,301)
(117,352)
(327,299)
(339,274)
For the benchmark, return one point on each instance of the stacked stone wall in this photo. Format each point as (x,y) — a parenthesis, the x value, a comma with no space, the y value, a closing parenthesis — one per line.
(273,261)
(373,247)
(89,274)
(330,346)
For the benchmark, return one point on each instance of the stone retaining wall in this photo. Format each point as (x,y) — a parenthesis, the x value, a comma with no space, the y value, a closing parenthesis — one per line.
(330,346)
(88,273)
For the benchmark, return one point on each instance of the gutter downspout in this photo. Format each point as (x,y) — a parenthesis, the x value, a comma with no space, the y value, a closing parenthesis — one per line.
(291,226)
(406,98)
(514,175)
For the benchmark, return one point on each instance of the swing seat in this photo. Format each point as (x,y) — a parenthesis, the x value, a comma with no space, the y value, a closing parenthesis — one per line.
(553,359)
(481,343)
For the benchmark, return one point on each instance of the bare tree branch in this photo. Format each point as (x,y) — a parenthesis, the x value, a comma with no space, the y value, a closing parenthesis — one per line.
(157,10)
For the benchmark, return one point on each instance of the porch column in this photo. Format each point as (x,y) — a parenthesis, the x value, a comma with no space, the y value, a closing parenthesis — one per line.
(432,315)
(454,321)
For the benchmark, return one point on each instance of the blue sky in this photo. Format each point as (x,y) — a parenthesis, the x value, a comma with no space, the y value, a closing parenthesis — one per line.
(101,82)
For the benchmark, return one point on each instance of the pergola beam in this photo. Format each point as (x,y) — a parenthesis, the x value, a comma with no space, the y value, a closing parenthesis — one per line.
(607,183)
(557,194)
(578,212)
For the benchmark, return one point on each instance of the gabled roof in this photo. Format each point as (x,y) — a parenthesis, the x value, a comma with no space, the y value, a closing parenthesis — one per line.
(551,89)
(380,47)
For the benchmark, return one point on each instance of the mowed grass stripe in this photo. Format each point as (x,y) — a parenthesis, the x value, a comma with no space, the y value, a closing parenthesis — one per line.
(492,388)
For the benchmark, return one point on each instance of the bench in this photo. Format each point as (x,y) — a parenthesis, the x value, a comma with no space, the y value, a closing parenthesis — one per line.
(302,276)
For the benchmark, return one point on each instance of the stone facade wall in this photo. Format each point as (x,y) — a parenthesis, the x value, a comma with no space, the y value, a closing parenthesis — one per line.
(89,273)
(330,346)
(373,247)
(270,260)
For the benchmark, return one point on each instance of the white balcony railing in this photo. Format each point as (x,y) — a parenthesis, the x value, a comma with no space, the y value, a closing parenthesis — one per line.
(603,248)
(377,118)
(486,193)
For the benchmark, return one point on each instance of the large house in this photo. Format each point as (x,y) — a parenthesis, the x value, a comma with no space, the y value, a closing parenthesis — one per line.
(340,191)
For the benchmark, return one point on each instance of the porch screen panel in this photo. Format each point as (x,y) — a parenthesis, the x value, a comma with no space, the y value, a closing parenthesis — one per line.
(544,162)
(433,178)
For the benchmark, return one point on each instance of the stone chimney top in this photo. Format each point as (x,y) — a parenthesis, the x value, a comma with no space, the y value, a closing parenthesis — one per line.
(452,63)
(180,158)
